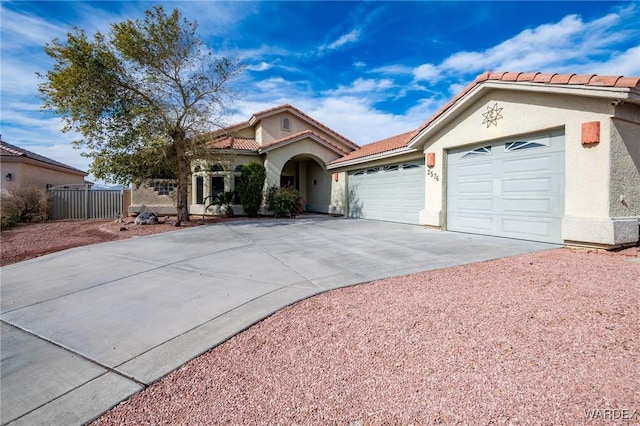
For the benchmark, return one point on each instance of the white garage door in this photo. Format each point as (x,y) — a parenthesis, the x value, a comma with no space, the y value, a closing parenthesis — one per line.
(394,193)
(510,189)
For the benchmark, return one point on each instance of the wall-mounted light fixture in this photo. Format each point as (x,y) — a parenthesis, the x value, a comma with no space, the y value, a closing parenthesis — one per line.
(431,159)
(590,132)
(9,176)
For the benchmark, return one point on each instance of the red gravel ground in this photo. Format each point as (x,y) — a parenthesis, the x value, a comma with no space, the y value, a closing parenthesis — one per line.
(540,338)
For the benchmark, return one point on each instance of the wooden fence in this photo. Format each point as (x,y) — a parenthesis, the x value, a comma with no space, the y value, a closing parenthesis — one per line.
(82,202)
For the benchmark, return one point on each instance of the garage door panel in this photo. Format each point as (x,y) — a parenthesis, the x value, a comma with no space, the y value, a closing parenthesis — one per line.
(476,204)
(510,189)
(513,227)
(527,185)
(475,187)
(541,164)
(394,193)
(474,170)
(526,206)
(474,223)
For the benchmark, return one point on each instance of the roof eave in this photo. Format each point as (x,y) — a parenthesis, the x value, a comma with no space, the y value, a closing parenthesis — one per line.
(614,93)
(373,157)
(44,164)
(312,136)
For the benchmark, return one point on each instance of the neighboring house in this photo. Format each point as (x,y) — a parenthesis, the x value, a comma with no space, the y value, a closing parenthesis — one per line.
(294,148)
(21,167)
(544,157)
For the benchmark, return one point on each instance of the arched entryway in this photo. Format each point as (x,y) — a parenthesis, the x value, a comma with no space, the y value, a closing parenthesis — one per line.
(309,176)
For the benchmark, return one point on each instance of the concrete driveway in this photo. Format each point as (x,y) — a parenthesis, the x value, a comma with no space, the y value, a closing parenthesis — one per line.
(86,328)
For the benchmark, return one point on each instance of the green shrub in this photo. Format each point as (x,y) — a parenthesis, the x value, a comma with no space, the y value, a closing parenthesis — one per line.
(223,203)
(250,188)
(284,201)
(23,204)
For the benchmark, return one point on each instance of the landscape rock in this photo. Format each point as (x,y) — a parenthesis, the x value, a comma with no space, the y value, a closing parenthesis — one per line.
(147,218)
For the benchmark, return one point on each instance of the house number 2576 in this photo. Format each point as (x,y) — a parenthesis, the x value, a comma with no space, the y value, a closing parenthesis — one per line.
(433,175)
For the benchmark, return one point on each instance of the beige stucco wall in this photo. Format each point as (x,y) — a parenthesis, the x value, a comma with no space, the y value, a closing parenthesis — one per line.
(625,162)
(339,196)
(269,129)
(587,167)
(276,159)
(318,188)
(145,195)
(26,173)
(247,132)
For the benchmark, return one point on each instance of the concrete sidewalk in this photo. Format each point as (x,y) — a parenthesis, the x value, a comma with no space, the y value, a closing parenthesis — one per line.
(86,328)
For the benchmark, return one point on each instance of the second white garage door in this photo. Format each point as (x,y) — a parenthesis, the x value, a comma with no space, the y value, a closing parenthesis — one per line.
(393,193)
(511,188)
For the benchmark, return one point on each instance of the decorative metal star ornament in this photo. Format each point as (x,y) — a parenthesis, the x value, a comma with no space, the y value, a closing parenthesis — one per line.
(492,115)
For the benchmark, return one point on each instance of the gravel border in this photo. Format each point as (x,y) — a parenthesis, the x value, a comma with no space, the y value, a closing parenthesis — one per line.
(532,339)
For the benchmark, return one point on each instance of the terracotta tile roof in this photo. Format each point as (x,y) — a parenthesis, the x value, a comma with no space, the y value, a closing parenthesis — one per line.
(275,110)
(384,145)
(243,144)
(225,131)
(300,135)
(541,78)
(401,141)
(8,150)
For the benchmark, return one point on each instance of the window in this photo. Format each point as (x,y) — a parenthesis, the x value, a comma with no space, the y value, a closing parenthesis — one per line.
(519,145)
(236,194)
(483,150)
(359,172)
(217,185)
(373,170)
(199,190)
(164,188)
(217,168)
(410,166)
(390,168)
(237,172)
(286,124)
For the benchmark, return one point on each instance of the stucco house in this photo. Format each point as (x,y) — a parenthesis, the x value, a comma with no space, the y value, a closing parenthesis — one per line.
(544,157)
(19,166)
(294,148)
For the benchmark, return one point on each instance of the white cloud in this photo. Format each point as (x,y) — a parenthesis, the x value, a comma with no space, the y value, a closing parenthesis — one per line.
(262,66)
(353,116)
(214,18)
(426,72)
(351,37)
(626,63)
(361,85)
(22,29)
(19,76)
(395,69)
(569,44)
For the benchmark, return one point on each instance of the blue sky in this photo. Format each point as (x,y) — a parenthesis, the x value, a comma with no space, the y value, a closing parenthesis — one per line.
(367,70)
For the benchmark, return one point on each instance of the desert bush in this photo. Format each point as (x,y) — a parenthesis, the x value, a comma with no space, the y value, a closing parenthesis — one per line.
(284,201)
(250,187)
(23,204)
